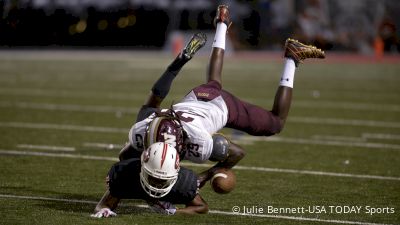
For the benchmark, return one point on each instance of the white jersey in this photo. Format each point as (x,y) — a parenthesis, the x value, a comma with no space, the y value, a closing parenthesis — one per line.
(200,120)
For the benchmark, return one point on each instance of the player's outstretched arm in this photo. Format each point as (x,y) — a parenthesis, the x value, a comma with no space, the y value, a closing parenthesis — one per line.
(236,153)
(106,205)
(196,206)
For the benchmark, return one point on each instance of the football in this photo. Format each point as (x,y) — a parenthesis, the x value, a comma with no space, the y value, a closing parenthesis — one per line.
(223,181)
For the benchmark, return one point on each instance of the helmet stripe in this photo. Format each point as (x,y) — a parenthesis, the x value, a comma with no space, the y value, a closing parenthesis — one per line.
(152,133)
(164,153)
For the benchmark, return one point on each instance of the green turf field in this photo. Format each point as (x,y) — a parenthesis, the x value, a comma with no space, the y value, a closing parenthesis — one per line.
(64,116)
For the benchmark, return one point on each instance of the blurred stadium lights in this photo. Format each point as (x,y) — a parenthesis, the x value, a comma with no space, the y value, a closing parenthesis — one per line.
(81,26)
(356,25)
(102,25)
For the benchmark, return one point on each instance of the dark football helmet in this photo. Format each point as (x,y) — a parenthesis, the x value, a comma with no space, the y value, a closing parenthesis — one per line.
(165,129)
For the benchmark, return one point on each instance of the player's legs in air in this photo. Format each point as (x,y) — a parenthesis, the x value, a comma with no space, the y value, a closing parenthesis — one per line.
(162,86)
(222,22)
(257,121)
(225,159)
(245,116)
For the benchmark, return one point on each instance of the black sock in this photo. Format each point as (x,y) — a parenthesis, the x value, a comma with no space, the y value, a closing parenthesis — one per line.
(177,64)
(163,84)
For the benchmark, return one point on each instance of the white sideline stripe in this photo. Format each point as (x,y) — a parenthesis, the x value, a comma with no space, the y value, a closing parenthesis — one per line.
(47,199)
(63,127)
(381,136)
(319,173)
(338,138)
(306,120)
(345,122)
(210,212)
(57,155)
(260,169)
(102,145)
(69,107)
(47,147)
(248,139)
(363,137)
(111,109)
(347,105)
(115,109)
(306,172)
(77,108)
(245,138)
(68,94)
(130,96)
(294,218)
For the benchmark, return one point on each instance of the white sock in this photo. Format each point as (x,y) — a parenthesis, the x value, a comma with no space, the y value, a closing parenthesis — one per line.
(287,78)
(220,35)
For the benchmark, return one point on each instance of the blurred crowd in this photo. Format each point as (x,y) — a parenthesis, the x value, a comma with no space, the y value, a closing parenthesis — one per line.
(364,26)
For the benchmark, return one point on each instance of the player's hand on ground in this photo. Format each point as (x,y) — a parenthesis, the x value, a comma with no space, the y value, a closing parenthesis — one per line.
(103,213)
(163,207)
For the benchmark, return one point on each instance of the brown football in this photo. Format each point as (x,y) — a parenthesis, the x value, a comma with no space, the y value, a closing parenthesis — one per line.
(223,181)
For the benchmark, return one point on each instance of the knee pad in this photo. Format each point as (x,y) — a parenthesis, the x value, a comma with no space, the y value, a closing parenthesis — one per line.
(220,149)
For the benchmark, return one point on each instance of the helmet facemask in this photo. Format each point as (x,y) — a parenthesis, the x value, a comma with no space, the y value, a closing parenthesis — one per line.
(159,172)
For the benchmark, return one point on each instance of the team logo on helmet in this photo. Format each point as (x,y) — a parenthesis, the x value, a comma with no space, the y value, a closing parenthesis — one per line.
(177,160)
(146,155)
(164,129)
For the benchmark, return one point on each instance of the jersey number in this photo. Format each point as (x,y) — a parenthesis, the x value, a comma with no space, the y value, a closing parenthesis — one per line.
(186,119)
(193,150)
(139,141)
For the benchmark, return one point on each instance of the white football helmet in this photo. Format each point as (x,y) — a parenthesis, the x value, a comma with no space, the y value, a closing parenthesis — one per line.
(160,167)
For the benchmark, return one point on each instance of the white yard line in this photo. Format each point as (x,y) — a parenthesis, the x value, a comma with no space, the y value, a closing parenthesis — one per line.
(131,96)
(102,145)
(47,147)
(57,155)
(364,137)
(249,139)
(338,138)
(381,136)
(347,105)
(245,138)
(40,198)
(46,199)
(344,122)
(73,94)
(294,218)
(69,107)
(319,173)
(63,127)
(112,109)
(247,168)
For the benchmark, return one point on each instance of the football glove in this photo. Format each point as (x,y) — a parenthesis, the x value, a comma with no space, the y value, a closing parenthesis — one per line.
(103,213)
(162,207)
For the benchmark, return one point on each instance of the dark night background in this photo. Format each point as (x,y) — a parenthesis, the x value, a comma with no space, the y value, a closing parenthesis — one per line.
(357,25)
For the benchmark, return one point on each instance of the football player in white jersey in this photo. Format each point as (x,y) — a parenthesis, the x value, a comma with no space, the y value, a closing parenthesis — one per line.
(191,125)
